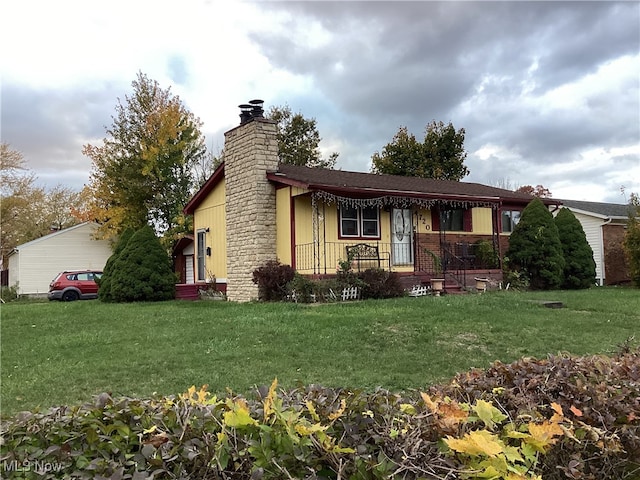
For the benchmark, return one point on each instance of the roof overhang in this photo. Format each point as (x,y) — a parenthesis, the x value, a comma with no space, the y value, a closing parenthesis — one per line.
(205,190)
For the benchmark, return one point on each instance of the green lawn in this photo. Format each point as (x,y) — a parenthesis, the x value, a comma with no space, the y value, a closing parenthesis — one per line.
(54,353)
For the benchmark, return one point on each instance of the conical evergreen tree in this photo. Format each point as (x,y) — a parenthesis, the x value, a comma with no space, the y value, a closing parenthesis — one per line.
(579,266)
(142,272)
(104,292)
(534,247)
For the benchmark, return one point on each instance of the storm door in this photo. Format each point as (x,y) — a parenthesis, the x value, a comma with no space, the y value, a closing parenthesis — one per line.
(401,237)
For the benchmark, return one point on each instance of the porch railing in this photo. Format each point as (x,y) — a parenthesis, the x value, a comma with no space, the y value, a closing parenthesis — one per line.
(324,257)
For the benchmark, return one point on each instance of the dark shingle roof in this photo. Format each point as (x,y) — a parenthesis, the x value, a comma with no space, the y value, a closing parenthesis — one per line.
(325,179)
(611,210)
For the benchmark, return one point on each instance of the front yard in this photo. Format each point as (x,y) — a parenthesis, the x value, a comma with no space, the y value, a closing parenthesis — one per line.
(55,353)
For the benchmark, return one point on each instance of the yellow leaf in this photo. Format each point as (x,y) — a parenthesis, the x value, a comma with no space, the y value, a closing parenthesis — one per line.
(542,435)
(338,413)
(407,408)
(306,430)
(478,442)
(270,399)
(431,405)
(239,416)
(558,416)
(489,414)
(312,411)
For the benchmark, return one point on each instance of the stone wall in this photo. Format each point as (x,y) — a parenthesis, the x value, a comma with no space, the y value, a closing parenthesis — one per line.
(250,150)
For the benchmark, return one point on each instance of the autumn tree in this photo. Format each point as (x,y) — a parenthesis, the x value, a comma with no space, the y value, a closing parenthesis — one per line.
(535,249)
(143,173)
(29,211)
(579,265)
(299,139)
(631,242)
(440,155)
(537,191)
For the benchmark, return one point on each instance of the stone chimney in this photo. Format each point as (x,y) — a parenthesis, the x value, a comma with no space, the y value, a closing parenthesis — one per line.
(250,151)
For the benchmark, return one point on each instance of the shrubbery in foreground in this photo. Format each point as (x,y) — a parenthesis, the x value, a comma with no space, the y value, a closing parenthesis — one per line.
(560,418)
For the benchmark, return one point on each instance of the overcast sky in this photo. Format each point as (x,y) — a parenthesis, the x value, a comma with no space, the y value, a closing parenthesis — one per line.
(547,92)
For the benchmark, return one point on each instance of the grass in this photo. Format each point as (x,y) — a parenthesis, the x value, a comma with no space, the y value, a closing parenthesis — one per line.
(56,353)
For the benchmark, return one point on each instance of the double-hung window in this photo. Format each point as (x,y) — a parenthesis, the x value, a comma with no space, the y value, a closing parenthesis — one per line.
(509,220)
(359,222)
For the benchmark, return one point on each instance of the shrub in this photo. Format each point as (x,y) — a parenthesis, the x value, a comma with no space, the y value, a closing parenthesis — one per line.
(486,255)
(380,283)
(104,283)
(9,294)
(272,279)
(579,266)
(143,272)
(534,247)
(564,417)
(302,288)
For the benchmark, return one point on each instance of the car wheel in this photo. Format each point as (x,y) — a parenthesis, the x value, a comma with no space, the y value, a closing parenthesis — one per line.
(70,296)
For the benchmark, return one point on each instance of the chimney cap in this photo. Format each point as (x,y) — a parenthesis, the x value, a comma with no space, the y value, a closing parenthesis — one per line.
(256,102)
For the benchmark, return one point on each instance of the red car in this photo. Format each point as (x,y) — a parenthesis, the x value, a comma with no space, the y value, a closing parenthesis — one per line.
(76,285)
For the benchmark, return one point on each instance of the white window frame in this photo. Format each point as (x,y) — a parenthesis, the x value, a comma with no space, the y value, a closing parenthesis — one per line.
(201,254)
(360,221)
(509,213)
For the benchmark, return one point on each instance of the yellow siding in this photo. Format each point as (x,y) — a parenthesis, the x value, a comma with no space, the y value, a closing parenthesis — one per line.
(303,220)
(211,214)
(481,221)
(283,225)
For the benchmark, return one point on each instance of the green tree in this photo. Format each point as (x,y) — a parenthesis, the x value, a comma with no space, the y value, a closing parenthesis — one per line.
(143,173)
(631,242)
(535,249)
(142,272)
(579,266)
(298,139)
(440,155)
(104,292)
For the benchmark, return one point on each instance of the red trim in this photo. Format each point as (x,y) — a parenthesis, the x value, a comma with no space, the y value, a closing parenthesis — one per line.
(467,220)
(205,190)
(292,223)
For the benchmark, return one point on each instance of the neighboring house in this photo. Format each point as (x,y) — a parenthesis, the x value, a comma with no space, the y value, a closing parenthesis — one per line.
(253,209)
(34,264)
(604,225)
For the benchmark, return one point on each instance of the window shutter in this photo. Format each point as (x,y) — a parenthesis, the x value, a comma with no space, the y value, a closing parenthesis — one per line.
(468,220)
(435,219)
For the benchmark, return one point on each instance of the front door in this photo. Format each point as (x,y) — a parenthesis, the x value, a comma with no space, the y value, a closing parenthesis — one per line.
(401,237)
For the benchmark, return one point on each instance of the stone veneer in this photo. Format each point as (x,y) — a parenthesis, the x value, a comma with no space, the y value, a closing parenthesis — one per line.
(250,150)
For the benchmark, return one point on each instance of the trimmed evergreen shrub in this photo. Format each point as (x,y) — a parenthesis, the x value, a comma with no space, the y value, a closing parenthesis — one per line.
(142,272)
(272,279)
(579,266)
(535,249)
(104,292)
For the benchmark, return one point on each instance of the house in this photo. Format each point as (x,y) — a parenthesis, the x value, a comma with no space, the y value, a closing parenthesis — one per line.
(253,209)
(604,226)
(34,264)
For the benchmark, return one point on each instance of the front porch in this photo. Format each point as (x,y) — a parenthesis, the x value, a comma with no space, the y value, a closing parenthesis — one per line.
(457,261)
